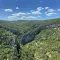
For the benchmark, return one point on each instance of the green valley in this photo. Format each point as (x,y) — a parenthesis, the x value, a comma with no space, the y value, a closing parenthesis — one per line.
(30,40)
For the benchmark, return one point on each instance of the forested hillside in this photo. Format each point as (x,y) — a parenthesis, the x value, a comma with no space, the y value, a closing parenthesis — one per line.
(30,40)
(46,46)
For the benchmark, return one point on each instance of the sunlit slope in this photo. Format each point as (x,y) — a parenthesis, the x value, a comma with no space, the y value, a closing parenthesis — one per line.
(46,46)
(6,44)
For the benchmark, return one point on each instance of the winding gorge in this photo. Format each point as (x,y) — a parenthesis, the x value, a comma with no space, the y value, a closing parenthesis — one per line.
(33,33)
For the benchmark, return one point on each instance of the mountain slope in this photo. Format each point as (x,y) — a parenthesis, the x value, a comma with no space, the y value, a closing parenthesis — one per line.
(46,46)
(30,40)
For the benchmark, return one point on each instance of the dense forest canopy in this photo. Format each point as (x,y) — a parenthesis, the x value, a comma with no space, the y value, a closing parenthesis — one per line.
(30,40)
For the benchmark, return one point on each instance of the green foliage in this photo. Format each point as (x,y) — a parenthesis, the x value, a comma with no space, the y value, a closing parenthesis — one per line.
(5,47)
(41,41)
(45,48)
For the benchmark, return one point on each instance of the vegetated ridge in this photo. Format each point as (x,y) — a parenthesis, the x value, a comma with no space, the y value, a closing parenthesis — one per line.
(30,40)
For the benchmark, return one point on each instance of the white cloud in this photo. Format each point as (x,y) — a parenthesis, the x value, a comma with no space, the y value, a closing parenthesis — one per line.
(28,17)
(22,17)
(12,18)
(46,7)
(51,10)
(40,8)
(16,16)
(50,13)
(8,10)
(59,10)
(28,13)
(38,16)
(17,7)
(36,12)
(33,14)
(19,14)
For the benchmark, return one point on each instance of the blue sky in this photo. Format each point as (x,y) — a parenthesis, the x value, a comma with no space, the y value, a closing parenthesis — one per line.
(29,9)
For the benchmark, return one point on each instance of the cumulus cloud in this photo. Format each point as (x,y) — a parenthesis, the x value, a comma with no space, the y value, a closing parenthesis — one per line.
(8,10)
(28,13)
(12,18)
(16,16)
(33,14)
(17,7)
(59,10)
(22,17)
(31,17)
(46,7)
(19,14)
(40,8)
(28,17)
(50,12)
(36,12)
